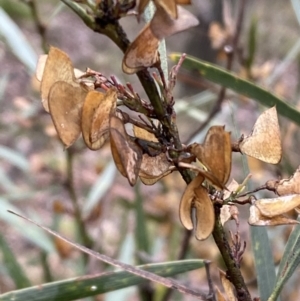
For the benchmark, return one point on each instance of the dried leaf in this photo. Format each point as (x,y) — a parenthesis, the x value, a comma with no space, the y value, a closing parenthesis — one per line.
(58,67)
(187,200)
(264,142)
(163,26)
(257,219)
(65,104)
(277,206)
(126,154)
(229,291)
(96,110)
(142,52)
(142,6)
(286,186)
(205,214)
(151,180)
(40,67)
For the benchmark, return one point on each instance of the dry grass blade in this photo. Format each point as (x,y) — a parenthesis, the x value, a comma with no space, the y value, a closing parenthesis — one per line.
(205,214)
(264,143)
(129,268)
(126,154)
(65,104)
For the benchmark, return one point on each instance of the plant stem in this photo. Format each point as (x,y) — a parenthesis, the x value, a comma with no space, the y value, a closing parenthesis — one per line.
(233,270)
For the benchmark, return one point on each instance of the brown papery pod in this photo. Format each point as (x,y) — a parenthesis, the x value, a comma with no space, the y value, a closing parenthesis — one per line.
(96,111)
(286,186)
(168,6)
(187,202)
(142,52)
(205,214)
(227,285)
(257,219)
(58,67)
(264,143)
(143,134)
(219,295)
(154,166)
(217,153)
(277,206)
(163,25)
(65,105)
(151,180)
(126,154)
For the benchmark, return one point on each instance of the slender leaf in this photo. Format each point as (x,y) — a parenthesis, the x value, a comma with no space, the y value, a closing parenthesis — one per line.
(15,158)
(289,262)
(230,80)
(13,267)
(264,264)
(85,286)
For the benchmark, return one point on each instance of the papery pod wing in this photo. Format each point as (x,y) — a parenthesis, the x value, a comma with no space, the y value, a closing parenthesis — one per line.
(163,26)
(143,134)
(227,285)
(65,104)
(264,143)
(169,7)
(217,153)
(95,117)
(58,67)
(142,52)
(219,295)
(126,154)
(205,214)
(257,219)
(187,202)
(151,180)
(278,206)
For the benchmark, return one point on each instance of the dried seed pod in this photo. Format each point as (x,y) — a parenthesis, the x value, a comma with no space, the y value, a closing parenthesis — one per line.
(187,201)
(205,214)
(142,52)
(277,206)
(257,219)
(264,142)
(126,154)
(65,105)
(58,67)
(96,111)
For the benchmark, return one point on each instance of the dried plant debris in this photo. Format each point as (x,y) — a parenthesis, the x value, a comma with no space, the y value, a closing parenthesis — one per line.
(264,142)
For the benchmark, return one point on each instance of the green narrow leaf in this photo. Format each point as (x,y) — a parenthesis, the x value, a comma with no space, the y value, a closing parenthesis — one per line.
(230,80)
(13,267)
(85,286)
(289,262)
(251,43)
(264,264)
(141,233)
(17,41)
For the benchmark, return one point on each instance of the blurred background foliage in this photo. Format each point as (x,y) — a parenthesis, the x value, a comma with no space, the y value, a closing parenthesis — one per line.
(50,185)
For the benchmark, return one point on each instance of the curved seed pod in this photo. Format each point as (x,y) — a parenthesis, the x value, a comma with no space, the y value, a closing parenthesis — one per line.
(187,202)
(264,142)
(205,214)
